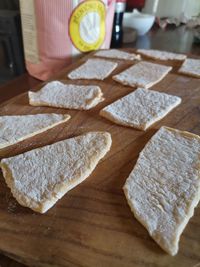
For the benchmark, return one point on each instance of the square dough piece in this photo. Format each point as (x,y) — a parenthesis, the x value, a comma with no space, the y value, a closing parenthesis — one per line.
(40,177)
(164,187)
(143,74)
(141,108)
(161,55)
(191,67)
(57,94)
(97,69)
(118,54)
(14,129)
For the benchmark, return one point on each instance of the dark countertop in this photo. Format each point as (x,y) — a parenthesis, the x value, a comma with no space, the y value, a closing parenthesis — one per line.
(174,39)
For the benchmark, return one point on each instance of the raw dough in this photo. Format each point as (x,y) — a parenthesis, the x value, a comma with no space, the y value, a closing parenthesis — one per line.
(164,187)
(161,55)
(141,108)
(119,54)
(191,67)
(143,74)
(97,69)
(40,177)
(57,94)
(14,129)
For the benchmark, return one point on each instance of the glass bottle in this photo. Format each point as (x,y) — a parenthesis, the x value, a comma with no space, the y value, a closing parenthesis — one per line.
(117,33)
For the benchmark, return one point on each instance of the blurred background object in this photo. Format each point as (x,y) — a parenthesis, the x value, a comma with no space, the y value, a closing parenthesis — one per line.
(117,31)
(197,36)
(179,19)
(175,39)
(132,4)
(11,47)
(166,8)
(9,4)
(129,35)
(150,6)
(174,8)
(141,22)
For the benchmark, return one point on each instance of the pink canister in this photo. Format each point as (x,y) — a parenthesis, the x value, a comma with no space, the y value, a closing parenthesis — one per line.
(54,32)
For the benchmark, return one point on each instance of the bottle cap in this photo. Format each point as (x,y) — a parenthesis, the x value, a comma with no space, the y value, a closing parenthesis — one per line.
(120,6)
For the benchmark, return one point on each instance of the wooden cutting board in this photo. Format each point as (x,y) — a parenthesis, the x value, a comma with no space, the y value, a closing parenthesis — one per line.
(92,224)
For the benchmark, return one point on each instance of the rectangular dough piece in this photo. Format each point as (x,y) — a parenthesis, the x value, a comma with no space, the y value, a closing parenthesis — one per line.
(143,74)
(161,55)
(191,67)
(163,189)
(40,177)
(141,108)
(118,54)
(14,129)
(60,95)
(97,69)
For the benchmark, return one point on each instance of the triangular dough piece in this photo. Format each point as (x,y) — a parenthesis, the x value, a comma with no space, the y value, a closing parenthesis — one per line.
(164,187)
(191,67)
(143,74)
(14,129)
(97,69)
(40,177)
(57,94)
(161,55)
(118,54)
(141,108)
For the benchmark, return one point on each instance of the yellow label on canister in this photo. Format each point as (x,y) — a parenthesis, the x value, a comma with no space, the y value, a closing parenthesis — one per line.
(87,25)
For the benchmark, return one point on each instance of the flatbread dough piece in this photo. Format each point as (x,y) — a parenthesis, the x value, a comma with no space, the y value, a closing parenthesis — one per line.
(57,94)
(141,108)
(143,74)
(97,69)
(14,129)
(164,187)
(191,67)
(161,55)
(118,54)
(39,178)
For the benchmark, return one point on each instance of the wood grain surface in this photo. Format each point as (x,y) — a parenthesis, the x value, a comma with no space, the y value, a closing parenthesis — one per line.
(92,224)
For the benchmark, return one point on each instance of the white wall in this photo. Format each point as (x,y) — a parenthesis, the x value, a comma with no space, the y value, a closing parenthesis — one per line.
(193,8)
(173,8)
